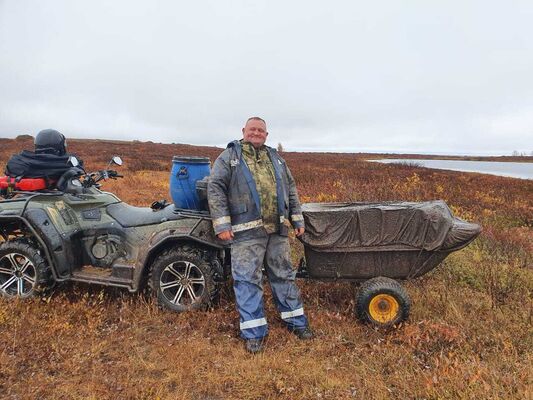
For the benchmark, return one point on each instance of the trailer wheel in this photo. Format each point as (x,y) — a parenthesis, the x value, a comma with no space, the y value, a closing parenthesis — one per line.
(382,302)
(183,279)
(23,271)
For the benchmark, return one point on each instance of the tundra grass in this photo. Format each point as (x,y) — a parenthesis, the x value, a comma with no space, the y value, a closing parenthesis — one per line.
(470,334)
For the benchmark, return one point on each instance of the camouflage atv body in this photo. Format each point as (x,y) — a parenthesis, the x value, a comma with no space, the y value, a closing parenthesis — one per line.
(87,235)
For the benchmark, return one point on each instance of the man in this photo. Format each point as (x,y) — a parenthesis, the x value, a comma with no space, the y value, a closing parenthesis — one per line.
(253,200)
(50,159)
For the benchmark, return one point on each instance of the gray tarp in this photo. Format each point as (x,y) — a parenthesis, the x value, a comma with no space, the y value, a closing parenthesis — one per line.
(394,225)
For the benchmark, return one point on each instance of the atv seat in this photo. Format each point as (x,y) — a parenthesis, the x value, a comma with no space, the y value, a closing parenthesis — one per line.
(129,216)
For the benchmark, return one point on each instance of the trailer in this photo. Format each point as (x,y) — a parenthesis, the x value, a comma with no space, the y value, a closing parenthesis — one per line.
(378,245)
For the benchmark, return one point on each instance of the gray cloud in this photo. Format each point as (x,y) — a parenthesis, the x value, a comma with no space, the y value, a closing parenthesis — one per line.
(347,76)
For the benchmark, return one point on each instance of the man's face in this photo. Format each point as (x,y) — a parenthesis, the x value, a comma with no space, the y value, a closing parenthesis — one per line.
(255,132)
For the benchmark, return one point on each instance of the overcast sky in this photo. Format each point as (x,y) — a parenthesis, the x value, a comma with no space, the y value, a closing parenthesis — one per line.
(397,76)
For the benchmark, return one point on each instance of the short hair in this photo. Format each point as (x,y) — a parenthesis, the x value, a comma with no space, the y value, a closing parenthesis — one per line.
(255,119)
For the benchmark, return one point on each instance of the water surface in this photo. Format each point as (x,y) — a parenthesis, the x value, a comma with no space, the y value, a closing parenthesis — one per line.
(510,169)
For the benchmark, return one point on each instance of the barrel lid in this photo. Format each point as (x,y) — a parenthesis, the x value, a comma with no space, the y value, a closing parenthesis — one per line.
(191,159)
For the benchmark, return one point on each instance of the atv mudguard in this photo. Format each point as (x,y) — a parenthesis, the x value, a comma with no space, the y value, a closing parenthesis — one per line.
(37,236)
(56,244)
(201,234)
(57,250)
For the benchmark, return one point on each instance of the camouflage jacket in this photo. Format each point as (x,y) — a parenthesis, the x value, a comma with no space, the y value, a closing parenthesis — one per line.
(262,170)
(235,203)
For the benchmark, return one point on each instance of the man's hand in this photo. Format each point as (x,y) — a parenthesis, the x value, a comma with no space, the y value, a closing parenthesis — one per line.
(299,231)
(226,235)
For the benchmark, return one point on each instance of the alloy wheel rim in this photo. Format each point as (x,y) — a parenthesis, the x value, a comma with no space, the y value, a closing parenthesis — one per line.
(182,283)
(17,275)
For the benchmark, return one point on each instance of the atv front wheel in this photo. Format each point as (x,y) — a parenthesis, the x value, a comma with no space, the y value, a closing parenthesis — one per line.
(183,279)
(382,302)
(23,271)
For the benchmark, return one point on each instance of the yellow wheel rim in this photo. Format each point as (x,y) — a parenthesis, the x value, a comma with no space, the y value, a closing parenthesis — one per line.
(383,308)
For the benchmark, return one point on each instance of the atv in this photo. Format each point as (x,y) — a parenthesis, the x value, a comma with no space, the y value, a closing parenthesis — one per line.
(77,232)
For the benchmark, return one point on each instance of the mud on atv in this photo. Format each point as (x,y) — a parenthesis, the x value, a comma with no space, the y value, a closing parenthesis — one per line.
(79,233)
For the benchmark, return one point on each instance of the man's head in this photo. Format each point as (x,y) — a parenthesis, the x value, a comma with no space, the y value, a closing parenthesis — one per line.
(50,141)
(255,131)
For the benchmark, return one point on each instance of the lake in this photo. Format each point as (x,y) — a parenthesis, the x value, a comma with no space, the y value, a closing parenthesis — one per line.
(510,169)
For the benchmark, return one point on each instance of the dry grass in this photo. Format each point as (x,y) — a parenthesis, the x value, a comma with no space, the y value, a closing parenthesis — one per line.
(469,335)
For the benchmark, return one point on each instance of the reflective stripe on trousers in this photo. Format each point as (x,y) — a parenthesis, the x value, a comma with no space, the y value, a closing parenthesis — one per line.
(254,323)
(292,314)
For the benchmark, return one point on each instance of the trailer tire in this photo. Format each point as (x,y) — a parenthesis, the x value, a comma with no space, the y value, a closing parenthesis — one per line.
(382,302)
(183,279)
(24,272)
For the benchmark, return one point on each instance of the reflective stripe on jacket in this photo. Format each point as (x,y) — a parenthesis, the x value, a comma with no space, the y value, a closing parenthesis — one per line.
(233,199)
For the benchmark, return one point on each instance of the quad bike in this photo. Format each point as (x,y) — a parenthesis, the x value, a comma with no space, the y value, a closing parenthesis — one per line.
(77,232)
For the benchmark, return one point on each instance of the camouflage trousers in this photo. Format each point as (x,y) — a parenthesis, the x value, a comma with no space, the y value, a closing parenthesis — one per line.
(247,260)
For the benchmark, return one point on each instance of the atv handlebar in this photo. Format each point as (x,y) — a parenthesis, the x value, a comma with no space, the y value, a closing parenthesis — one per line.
(75,179)
(114,174)
(93,178)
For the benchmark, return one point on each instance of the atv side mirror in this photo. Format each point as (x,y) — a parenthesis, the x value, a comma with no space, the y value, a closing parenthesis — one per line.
(73,161)
(117,160)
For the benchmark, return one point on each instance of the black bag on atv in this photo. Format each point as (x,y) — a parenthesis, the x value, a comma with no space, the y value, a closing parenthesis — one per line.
(31,165)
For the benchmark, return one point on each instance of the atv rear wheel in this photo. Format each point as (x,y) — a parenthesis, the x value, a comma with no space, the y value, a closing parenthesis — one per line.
(23,271)
(382,302)
(183,279)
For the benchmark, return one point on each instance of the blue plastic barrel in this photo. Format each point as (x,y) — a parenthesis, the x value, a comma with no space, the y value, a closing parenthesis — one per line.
(185,172)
